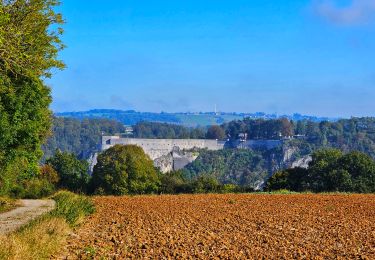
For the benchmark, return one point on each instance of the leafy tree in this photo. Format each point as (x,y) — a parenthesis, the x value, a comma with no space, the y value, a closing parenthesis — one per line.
(73,173)
(215,132)
(206,184)
(323,162)
(291,179)
(48,173)
(361,169)
(124,169)
(29,45)
(29,37)
(330,170)
(174,183)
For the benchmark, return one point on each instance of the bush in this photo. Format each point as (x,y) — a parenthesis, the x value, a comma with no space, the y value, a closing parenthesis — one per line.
(174,183)
(6,204)
(37,188)
(206,184)
(229,188)
(48,173)
(34,188)
(124,169)
(73,173)
(72,207)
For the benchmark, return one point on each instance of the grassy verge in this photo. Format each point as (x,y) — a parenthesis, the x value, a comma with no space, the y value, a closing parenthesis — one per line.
(45,236)
(7,204)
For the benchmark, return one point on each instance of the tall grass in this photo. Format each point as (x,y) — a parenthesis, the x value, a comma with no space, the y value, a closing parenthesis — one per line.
(44,237)
(7,204)
(72,207)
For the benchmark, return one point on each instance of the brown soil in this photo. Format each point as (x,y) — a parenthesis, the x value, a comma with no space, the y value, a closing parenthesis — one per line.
(228,227)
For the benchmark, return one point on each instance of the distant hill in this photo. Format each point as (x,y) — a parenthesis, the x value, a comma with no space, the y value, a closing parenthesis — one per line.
(131,117)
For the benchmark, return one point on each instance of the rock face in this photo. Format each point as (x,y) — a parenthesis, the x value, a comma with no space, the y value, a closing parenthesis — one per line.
(174,160)
(303,162)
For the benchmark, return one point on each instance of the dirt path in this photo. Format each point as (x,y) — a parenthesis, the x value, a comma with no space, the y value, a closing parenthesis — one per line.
(30,209)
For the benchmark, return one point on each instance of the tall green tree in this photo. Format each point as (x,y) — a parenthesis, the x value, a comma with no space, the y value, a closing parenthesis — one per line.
(29,45)
(215,132)
(124,169)
(30,37)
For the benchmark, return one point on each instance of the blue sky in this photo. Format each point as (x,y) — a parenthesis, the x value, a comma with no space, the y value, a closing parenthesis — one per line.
(306,56)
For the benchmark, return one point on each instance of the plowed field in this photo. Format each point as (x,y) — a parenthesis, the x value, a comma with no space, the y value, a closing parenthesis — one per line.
(228,226)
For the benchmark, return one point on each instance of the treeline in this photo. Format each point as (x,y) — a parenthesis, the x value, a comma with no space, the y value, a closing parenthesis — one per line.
(123,170)
(80,137)
(167,131)
(129,117)
(346,134)
(329,171)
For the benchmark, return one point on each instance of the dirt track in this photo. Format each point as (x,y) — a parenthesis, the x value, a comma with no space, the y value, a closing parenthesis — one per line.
(228,226)
(27,211)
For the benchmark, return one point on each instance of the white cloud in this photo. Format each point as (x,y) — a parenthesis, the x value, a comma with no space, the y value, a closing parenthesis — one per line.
(356,13)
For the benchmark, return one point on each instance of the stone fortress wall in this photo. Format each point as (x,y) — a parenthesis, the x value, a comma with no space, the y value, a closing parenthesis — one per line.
(156,148)
(168,154)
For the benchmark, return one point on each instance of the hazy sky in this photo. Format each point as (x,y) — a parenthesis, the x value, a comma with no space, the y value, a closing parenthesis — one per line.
(306,56)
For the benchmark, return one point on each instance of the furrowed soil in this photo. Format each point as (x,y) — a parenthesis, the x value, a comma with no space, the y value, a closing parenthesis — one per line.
(228,227)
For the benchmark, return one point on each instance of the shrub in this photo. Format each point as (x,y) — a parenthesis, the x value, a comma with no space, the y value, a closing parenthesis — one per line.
(48,173)
(6,204)
(229,188)
(73,173)
(206,184)
(37,188)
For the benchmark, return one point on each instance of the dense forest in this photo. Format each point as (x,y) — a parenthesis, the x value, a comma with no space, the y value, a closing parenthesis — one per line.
(230,166)
(80,137)
(245,168)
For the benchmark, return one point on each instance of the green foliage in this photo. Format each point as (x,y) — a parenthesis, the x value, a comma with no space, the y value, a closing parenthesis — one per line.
(259,128)
(72,207)
(229,166)
(73,173)
(167,131)
(124,169)
(6,204)
(24,125)
(215,132)
(29,37)
(29,45)
(206,184)
(80,137)
(36,188)
(291,179)
(329,171)
(174,183)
